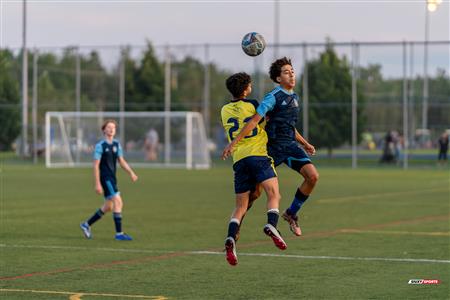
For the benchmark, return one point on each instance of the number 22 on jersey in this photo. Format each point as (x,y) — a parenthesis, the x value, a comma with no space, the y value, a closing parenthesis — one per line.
(235,128)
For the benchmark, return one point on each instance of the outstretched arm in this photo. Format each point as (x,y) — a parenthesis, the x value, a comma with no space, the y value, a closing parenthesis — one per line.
(307,146)
(123,163)
(244,132)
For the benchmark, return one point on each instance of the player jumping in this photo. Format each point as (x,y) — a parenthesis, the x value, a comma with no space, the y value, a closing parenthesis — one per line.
(251,166)
(284,142)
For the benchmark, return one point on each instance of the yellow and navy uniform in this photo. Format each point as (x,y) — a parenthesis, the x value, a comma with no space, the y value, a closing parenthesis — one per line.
(252,165)
(234,117)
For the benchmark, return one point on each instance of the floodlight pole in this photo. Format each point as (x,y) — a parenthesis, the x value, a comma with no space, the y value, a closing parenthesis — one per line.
(34,104)
(122,97)
(305,98)
(167,104)
(206,91)
(425,72)
(24,146)
(78,102)
(405,111)
(276,28)
(355,58)
(411,105)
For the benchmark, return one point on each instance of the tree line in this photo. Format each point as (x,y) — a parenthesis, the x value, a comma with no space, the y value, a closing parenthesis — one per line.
(329,88)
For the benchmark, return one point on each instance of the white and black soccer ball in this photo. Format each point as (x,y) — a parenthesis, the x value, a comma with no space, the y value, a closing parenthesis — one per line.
(253,44)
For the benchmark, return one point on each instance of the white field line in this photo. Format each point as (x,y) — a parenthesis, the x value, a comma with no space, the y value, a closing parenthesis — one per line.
(87,249)
(416,260)
(419,233)
(378,195)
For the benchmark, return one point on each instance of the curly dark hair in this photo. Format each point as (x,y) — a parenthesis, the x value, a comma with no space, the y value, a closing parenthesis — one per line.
(275,68)
(237,83)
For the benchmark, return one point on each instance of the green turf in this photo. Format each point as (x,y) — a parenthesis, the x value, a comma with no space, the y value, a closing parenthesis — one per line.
(173,214)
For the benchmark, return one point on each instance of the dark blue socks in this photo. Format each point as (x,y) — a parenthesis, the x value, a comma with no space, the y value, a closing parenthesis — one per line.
(97,216)
(118,221)
(297,203)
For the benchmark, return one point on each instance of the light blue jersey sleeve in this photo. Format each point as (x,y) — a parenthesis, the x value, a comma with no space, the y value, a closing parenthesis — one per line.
(98,151)
(120,150)
(266,105)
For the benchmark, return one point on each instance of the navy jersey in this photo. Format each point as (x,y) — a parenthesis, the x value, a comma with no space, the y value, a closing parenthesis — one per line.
(107,154)
(282,109)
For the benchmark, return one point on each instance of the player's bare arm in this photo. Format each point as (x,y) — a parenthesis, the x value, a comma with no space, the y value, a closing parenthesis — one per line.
(244,132)
(123,163)
(97,186)
(310,149)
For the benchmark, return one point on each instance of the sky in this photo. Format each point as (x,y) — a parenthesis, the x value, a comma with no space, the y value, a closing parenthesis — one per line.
(63,23)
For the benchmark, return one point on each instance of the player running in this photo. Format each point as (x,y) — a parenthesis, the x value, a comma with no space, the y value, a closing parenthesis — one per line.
(251,166)
(107,152)
(284,142)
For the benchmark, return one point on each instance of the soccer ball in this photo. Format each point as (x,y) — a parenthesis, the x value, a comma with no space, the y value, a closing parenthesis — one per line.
(253,44)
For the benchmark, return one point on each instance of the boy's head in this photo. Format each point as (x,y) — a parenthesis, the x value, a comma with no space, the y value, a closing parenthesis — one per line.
(238,83)
(109,127)
(275,68)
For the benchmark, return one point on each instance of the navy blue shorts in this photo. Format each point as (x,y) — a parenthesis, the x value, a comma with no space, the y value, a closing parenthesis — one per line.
(109,186)
(250,171)
(291,154)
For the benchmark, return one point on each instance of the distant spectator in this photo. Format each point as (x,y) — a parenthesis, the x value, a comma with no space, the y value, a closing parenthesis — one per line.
(388,155)
(151,145)
(397,139)
(443,148)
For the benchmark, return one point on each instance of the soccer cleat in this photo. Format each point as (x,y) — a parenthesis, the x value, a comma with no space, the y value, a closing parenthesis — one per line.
(86,230)
(293,223)
(230,251)
(123,237)
(276,236)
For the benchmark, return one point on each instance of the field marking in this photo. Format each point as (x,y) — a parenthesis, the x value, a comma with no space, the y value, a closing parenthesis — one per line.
(323,234)
(77,295)
(97,266)
(419,233)
(87,249)
(379,195)
(166,255)
(415,260)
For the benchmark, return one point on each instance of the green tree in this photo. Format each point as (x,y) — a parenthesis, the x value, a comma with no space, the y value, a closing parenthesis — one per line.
(96,83)
(146,91)
(330,97)
(439,109)
(188,78)
(9,101)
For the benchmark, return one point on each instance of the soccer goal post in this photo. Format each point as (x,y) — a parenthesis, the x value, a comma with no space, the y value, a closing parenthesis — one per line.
(149,139)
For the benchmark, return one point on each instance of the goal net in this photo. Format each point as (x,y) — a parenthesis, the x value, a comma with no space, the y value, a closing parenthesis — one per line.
(149,139)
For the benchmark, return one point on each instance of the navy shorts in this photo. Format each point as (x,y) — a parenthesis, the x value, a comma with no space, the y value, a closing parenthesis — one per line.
(250,171)
(109,186)
(291,154)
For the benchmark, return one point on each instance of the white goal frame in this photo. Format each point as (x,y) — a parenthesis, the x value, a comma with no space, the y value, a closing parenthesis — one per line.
(194,159)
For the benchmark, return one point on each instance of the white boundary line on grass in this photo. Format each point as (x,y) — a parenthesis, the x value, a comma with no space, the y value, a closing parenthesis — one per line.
(419,260)
(87,249)
(415,260)
(378,195)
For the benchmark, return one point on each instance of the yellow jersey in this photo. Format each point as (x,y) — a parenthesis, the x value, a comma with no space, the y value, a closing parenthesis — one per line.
(234,117)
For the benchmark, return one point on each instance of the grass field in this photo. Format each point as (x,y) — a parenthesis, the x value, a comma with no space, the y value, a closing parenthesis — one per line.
(367,232)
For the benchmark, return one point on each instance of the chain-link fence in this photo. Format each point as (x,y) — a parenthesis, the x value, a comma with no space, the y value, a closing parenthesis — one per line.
(400,91)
